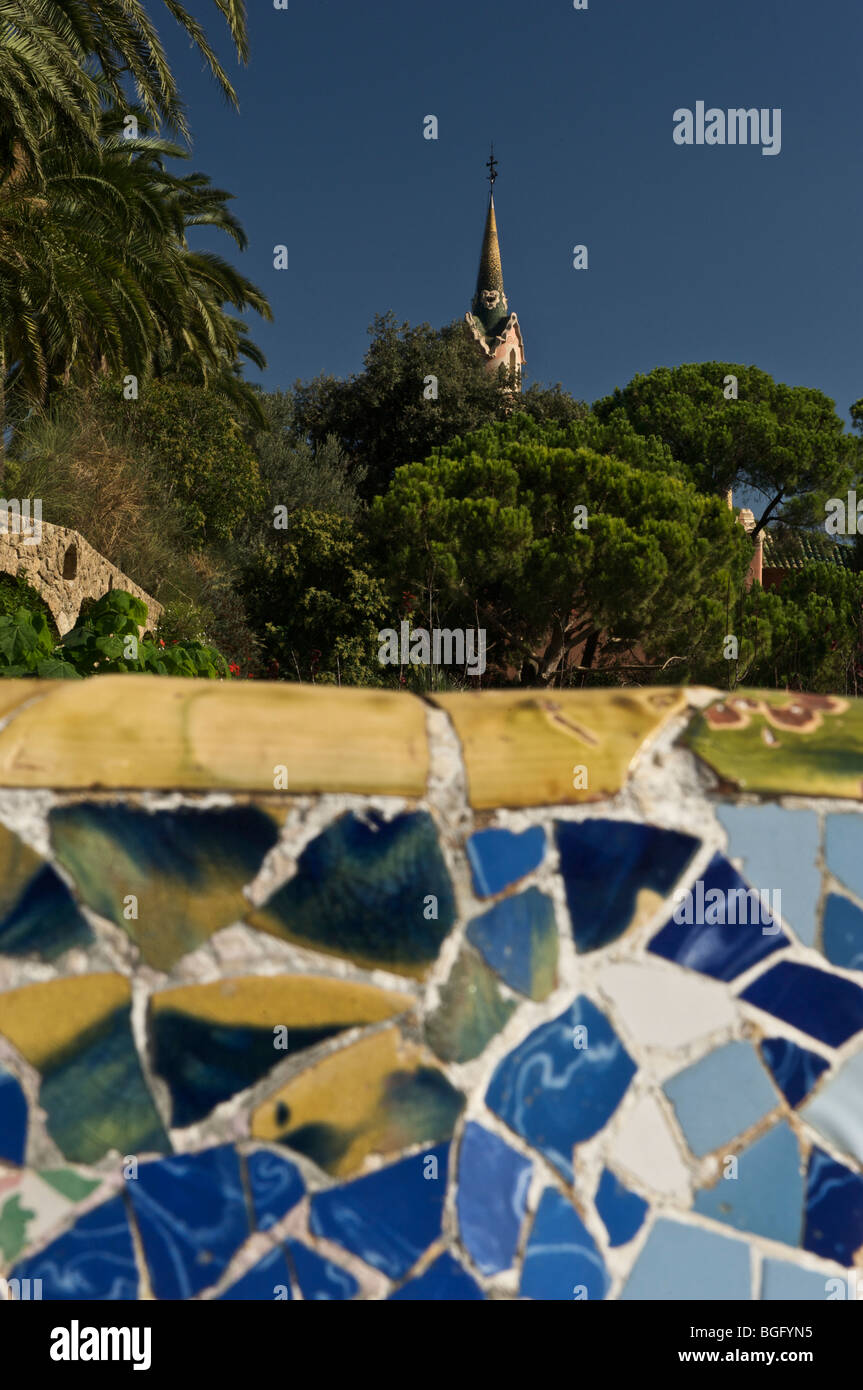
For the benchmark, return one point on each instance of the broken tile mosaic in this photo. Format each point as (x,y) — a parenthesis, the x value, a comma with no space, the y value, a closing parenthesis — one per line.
(491,1198)
(169,880)
(622,1211)
(614,869)
(340,1046)
(498,858)
(795,1070)
(702,939)
(826,1007)
(720,1096)
(563,1083)
(761,1189)
(390,1217)
(443,1280)
(562,1261)
(471,1011)
(355,880)
(518,939)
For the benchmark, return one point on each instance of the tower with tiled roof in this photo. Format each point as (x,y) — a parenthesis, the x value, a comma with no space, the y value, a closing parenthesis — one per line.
(494,329)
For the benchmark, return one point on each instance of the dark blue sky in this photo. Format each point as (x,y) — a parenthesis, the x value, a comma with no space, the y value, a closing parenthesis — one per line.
(695,253)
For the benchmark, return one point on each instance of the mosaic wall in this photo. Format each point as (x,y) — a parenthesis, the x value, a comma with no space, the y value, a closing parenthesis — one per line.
(315,994)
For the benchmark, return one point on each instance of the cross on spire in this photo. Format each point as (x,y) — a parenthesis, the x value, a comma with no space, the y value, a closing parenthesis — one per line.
(491,165)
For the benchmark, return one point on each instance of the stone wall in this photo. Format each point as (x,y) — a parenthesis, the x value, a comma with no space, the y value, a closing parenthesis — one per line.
(65,570)
(333,994)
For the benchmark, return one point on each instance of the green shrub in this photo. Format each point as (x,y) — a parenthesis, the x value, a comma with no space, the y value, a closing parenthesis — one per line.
(105,638)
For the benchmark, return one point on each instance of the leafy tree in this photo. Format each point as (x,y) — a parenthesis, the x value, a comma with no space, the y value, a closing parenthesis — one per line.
(807,635)
(314,599)
(388,414)
(200,457)
(298,476)
(487,535)
(785,442)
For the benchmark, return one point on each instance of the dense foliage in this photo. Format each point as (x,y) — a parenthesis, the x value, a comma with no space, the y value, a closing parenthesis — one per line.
(105,638)
(288,530)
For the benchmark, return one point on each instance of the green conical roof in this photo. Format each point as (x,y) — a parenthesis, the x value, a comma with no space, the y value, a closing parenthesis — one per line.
(489,302)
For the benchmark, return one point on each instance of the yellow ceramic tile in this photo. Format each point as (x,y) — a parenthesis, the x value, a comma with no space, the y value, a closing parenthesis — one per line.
(42,1020)
(18,864)
(14,693)
(160,731)
(532,748)
(376,1096)
(298,1001)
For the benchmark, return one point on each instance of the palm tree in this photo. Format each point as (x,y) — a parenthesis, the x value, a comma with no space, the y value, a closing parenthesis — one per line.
(97,277)
(53,53)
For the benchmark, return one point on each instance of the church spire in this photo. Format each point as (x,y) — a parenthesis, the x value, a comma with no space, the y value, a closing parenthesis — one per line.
(489,302)
(494,328)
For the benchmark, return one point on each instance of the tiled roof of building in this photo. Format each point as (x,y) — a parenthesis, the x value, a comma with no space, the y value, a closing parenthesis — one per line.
(792,551)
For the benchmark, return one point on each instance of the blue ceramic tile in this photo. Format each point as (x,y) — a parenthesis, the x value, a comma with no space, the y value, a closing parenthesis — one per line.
(843,850)
(843,933)
(561,1261)
(192,1216)
(443,1281)
(555,1094)
(825,1006)
(834,1210)
(680,1262)
(779,849)
(766,1196)
(622,1211)
(276,1186)
(266,1280)
(606,863)
(320,1279)
(492,1190)
(795,1070)
(45,920)
(355,880)
(782,1281)
(836,1110)
(720,1096)
(13,1119)
(722,951)
(94,1260)
(389,1217)
(501,857)
(518,939)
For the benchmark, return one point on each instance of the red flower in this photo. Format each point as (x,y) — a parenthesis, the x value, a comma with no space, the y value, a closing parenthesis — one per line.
(234,668)
(161,641)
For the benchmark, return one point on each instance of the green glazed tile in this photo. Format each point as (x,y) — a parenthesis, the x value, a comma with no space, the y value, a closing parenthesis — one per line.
(374,890)
(776,743)
(185,869)
(40,1203)
(77,1032)
(375,1097)
(69,1183)
(471,1011)
(14,1221)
